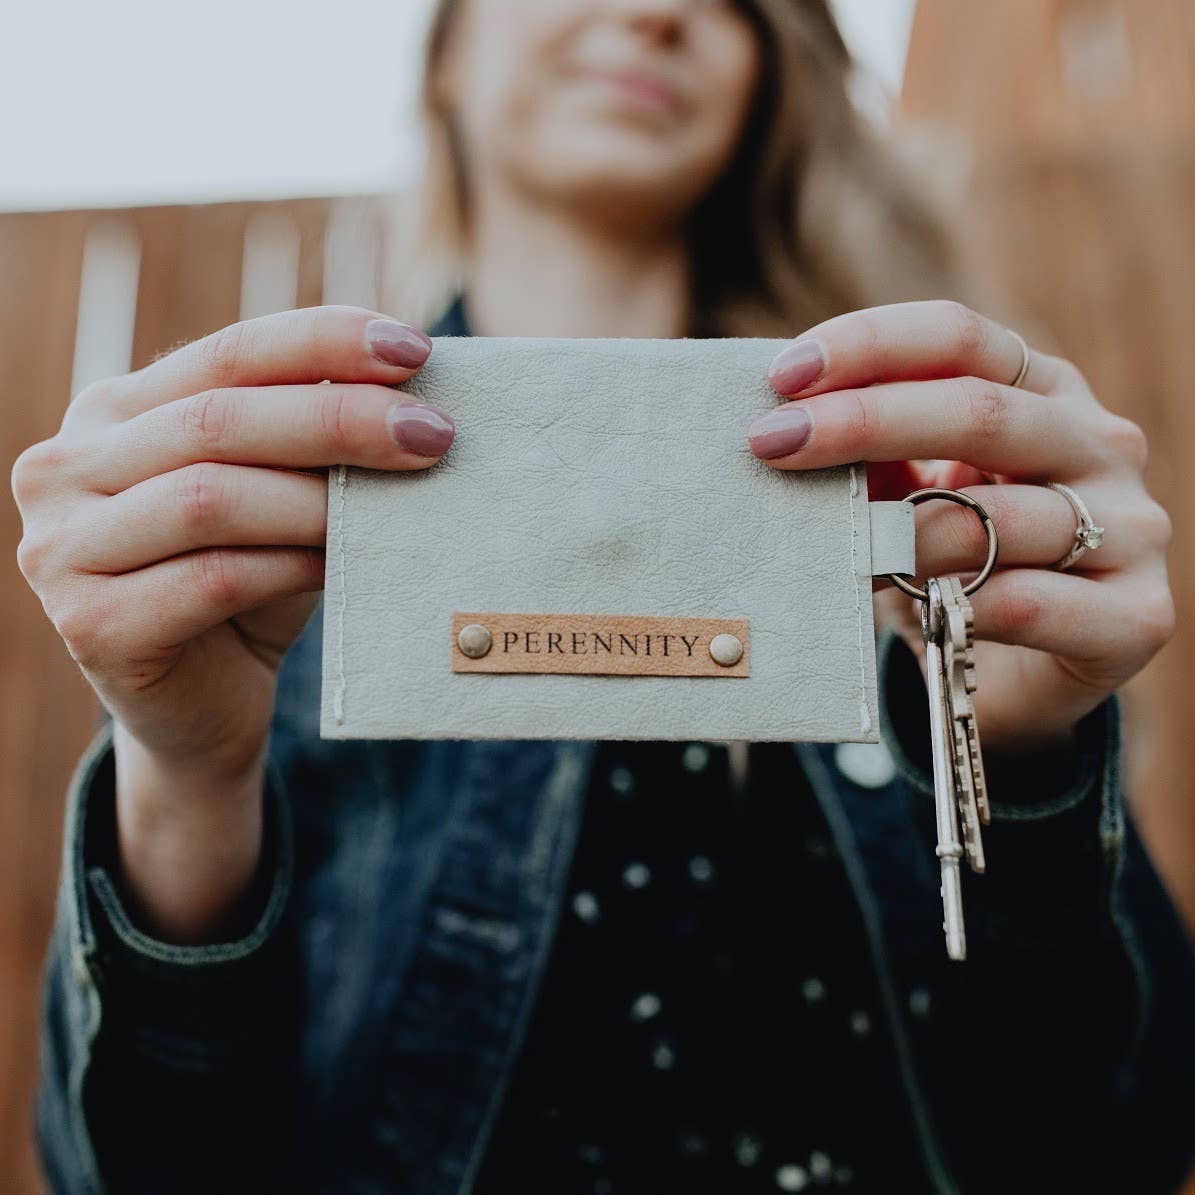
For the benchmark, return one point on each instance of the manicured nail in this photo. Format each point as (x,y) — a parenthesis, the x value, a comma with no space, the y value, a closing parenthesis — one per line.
(779,432)
(796,367)
(420,428)
(397,344)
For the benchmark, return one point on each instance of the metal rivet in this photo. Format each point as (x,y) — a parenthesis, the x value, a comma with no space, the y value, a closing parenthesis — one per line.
(726,650)
(474,640)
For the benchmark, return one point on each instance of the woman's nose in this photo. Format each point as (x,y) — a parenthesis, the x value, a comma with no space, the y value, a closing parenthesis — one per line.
(662,16)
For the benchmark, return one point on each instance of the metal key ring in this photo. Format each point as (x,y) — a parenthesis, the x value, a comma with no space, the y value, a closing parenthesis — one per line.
(918,496)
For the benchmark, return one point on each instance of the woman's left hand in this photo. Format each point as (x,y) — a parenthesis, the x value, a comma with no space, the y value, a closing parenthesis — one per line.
(920,391)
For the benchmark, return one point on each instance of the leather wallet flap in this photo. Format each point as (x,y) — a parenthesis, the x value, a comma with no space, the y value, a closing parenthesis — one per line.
(599,555)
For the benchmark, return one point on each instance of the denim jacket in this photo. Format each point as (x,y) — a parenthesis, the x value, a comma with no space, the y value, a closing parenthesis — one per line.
(358,1035)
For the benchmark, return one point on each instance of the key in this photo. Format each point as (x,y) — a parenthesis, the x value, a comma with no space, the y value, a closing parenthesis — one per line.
(962,711)
(971,727)
(949,850)
(960,787)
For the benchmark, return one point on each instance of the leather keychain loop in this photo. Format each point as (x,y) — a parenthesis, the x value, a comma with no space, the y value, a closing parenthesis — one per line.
(919,496)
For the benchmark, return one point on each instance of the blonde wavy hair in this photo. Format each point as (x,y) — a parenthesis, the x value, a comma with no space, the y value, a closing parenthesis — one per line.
(815,214)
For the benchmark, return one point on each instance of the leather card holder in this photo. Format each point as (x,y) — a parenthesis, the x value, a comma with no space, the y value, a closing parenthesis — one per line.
(599,555)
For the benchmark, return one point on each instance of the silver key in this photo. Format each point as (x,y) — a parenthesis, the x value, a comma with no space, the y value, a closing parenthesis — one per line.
(962,712)
(964,691)
(949,849)
(969,684)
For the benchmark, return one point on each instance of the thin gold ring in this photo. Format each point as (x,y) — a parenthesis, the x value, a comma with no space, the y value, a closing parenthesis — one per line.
(962,499)
(1024,358)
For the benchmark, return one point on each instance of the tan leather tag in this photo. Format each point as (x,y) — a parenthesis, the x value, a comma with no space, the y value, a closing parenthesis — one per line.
(600,644)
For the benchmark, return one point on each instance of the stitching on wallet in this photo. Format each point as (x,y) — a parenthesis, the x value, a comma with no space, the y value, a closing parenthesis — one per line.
(338,692)
(865,713)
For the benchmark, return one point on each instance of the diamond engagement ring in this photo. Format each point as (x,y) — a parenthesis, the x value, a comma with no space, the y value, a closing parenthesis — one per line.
(1088,536)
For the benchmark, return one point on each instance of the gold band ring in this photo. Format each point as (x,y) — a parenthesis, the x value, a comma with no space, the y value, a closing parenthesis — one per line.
(1024,358)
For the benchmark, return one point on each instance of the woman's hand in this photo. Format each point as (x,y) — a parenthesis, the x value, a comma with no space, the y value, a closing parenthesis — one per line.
(920,391)
(174,530)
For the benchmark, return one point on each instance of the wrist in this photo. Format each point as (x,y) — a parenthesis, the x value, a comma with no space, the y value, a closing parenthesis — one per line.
(188,839)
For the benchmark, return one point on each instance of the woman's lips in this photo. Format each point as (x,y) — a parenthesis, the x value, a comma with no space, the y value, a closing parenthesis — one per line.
(640,88)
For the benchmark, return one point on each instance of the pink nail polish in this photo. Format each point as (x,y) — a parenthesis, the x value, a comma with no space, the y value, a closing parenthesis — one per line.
(420,428)
(779,432)
(394,343)
(797,367)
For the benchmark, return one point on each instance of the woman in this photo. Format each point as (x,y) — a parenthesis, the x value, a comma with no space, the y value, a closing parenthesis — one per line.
(283,963)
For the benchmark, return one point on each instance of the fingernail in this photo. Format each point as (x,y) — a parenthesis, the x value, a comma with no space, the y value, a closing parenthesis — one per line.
(420,428)
(397,344)
(797,366)
(779,432)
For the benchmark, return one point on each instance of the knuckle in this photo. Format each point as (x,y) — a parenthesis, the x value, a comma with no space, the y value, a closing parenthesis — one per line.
(959,532)
(986,408)
(26,471)
(1159,526)
(868,328)
(79,629)
(335,426)
(314,565)
(1157,617)
(33,552)
(201,493)
(96,396)
(38,465)
(207,417)
(969,533)
(224,351)
(1071,376)
(1125,441)
(1023,607)
(967,329)
(216,578)
(1148,524)
(860,418)
(345,310)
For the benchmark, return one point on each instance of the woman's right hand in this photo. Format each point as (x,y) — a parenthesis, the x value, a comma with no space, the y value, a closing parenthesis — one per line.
(174,530)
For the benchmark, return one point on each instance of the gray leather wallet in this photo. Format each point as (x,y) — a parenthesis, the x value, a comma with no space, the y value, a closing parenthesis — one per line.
(599,555)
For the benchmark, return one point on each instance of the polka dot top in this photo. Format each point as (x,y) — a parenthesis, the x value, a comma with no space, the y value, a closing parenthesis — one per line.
(709,1019)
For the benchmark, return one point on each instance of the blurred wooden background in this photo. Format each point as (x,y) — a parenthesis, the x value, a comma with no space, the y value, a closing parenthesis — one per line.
(1078,195)
(1080,116)
(83,295)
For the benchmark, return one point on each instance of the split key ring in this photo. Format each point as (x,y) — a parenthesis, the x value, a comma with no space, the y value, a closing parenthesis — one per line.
(918,496)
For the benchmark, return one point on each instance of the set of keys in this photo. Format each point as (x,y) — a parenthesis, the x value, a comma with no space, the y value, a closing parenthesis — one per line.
(960,789)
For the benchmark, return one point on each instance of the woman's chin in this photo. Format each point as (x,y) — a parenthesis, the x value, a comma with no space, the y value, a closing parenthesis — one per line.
(624,186)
